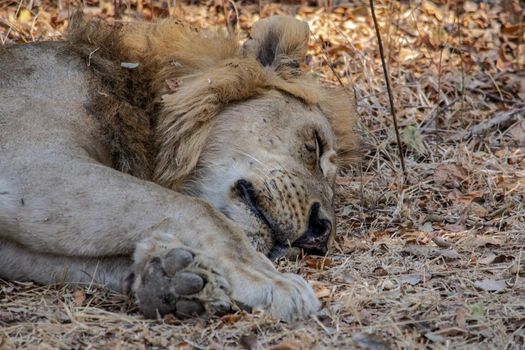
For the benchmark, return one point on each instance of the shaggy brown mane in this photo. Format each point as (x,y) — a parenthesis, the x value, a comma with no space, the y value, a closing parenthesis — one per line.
(183,80)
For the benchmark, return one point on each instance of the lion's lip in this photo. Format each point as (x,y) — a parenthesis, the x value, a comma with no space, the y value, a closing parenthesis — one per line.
(247,194)
(292,252)
(278,251)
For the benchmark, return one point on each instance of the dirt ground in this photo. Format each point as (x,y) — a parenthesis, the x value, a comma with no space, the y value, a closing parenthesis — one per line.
(433,258)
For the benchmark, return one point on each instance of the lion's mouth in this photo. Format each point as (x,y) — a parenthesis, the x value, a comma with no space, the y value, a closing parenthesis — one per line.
(246,192)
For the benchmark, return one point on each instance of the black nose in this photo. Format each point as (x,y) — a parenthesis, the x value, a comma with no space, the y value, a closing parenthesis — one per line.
(315,239)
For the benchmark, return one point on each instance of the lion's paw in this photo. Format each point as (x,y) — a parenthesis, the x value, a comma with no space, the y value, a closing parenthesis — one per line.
(293,299)
(183,283)
(286,296)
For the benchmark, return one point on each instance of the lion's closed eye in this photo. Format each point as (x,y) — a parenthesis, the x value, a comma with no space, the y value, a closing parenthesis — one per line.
(313,149)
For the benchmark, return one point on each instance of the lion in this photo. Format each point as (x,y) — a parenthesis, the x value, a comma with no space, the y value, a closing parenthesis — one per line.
(170,163)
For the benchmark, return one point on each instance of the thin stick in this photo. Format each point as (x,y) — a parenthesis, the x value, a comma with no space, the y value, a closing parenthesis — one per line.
(225,5)
(390,97)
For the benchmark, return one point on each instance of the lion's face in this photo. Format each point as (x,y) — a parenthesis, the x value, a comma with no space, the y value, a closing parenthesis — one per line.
(269,167)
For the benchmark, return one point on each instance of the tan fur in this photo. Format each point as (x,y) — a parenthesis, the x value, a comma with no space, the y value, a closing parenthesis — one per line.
(211,71)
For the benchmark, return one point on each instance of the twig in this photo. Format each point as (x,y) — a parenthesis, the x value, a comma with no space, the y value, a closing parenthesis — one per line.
(492,96)
(327,60)
(460,53)
(500,120)
(225,5)
(116,5)
(436,113)
(236,28)
(389,90)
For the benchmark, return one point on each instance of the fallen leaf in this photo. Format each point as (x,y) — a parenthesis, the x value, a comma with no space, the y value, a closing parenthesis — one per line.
(461,317)
(371,341)
(79,297)
(18,310)
(416,237)
(316,262)
(517,132)
(448,254)
(248,341)
(288,345)
(360,11)
(434,337)
(470,6)
(231,319)
(24,16)
(183,346)
(482,241)
(349,245)
(388,285)
(454,228)
(487,259)
(406,54)
(379,271)
(427,227)
(466,198)
(321,290)
(450,175)
(490,285)
(477,310)
(441,242)
(514,30)
(477,210)
(425,251)
(515,268)
(492,258)
(432,9)
(414,279)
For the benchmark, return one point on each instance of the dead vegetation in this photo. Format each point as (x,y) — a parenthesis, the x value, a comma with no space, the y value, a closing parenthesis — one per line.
(431,260)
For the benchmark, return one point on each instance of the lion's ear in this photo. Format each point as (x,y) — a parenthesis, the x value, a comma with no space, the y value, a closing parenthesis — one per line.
(279,42)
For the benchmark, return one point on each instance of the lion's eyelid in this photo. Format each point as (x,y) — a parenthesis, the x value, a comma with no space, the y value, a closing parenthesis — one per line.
(327,164)
(310,147)
(320,146)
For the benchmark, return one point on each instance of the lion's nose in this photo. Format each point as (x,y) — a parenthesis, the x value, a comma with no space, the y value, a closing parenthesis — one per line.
(315,239)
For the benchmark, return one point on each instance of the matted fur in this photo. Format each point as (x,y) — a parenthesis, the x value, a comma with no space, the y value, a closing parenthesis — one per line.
(184,78)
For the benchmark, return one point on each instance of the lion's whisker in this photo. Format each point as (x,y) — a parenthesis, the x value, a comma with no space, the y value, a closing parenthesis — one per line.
(264,167)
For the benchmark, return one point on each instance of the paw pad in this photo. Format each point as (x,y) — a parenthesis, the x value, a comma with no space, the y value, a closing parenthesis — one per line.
(176,283)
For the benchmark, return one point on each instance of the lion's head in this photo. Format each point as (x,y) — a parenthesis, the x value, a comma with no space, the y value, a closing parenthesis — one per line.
(269,165)
(238,126)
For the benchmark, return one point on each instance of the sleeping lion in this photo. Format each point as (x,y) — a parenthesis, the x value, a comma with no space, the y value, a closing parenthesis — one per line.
(169,163)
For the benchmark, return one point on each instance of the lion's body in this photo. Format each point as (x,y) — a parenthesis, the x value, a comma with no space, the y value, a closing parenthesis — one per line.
(46,131)
(94,157)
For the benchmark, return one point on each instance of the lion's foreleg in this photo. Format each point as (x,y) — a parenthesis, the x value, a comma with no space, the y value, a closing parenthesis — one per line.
(86,209)
(18,263)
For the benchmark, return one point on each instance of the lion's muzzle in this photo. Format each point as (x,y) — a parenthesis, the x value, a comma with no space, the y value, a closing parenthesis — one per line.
(292,220)
(315,239)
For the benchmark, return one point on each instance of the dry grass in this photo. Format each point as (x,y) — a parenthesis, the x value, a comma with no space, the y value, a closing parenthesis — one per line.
(433,260)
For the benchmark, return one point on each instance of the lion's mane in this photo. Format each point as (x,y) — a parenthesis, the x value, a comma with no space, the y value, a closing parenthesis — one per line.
(161,111)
